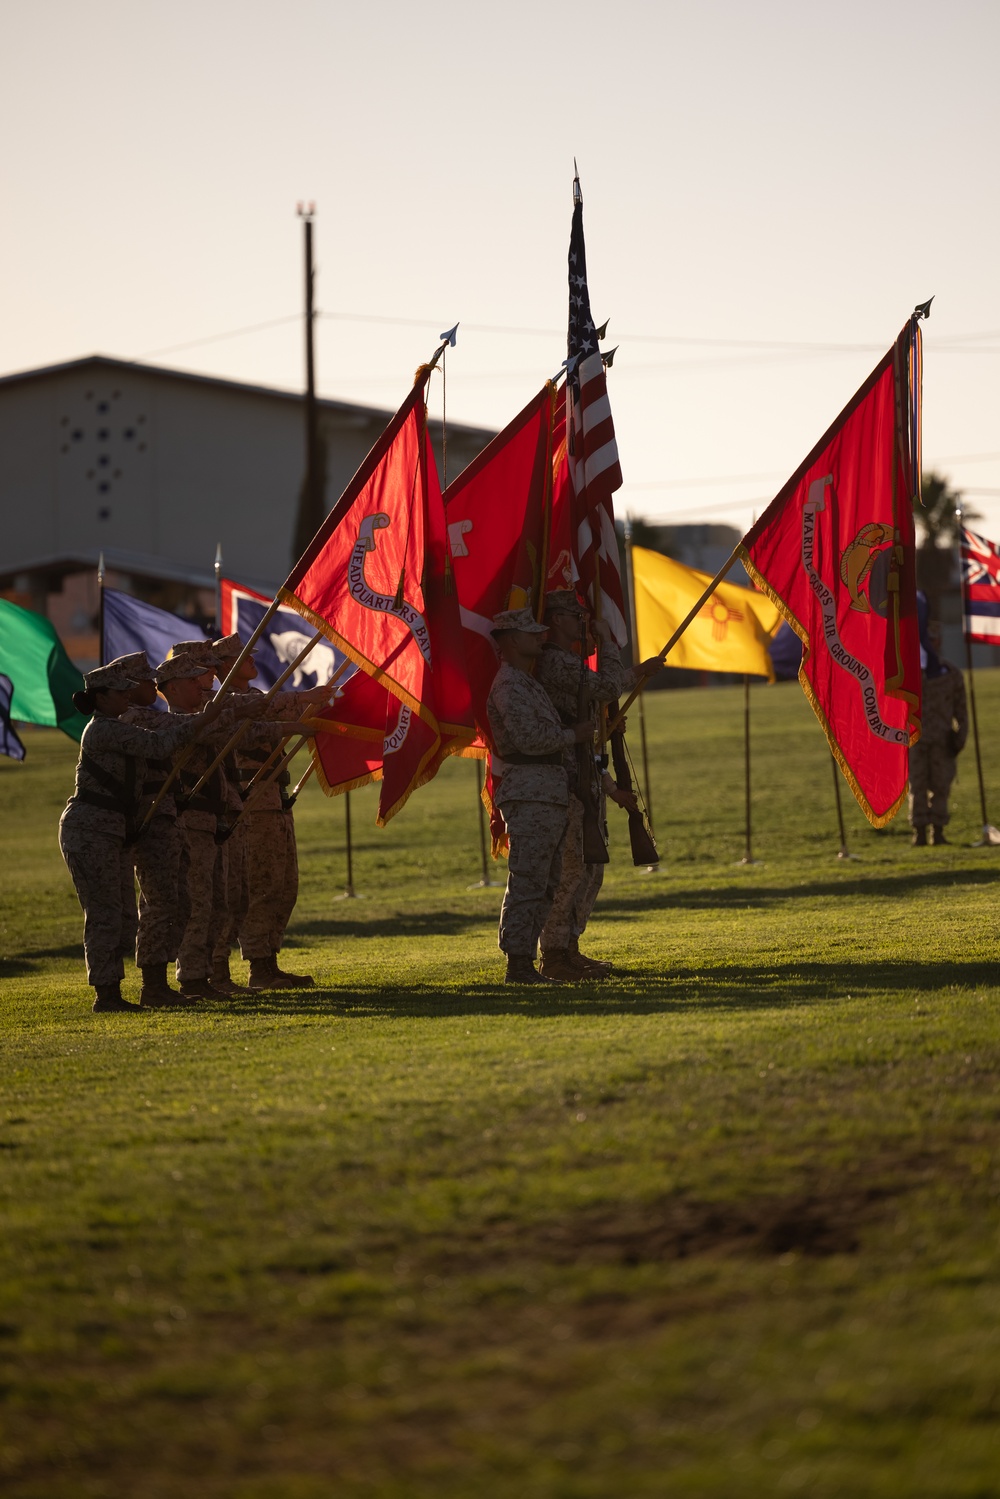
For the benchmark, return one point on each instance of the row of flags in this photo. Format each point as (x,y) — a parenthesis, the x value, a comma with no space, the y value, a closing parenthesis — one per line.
(400,583)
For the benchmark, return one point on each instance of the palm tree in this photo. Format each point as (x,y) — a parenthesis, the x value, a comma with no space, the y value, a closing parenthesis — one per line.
(940,528)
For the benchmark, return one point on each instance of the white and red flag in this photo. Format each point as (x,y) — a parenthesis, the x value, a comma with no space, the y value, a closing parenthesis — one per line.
(980,563)
(591,449)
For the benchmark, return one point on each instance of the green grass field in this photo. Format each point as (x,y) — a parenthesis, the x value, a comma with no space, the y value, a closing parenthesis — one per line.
(726,1225)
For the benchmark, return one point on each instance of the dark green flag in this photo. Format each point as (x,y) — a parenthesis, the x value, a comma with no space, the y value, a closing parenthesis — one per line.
(44,677)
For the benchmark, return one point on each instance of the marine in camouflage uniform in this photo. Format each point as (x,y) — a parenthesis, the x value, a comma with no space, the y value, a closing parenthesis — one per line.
(933,759)
(531,791)
(203,818)
(559,673)
(272,867)
(163,905)
(98,827)
(263,887)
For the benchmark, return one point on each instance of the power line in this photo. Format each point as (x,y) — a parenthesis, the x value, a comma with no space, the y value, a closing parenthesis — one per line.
(214,338)
(956,344)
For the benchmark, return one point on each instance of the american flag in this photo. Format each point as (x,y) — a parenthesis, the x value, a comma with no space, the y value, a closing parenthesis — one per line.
(592,451)
(980,561)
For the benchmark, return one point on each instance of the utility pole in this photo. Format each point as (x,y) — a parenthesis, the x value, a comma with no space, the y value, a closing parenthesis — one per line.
(310,514)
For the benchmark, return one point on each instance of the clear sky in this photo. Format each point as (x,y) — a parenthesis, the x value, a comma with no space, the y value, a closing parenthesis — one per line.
(769,189)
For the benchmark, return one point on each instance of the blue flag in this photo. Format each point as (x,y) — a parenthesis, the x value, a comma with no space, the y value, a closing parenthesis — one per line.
(130,625)
(785,649)
(9,742)
(285,636)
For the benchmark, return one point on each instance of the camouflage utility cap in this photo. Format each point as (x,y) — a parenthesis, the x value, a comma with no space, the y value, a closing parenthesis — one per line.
(516,619)
(564,601)
(179,668)
(228,648)
(200,650)
(109,678)
(135,666)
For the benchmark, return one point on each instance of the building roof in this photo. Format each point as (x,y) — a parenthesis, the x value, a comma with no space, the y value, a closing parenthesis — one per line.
(137,564)
(105,362)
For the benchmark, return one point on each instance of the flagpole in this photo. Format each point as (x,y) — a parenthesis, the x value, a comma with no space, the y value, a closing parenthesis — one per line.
(242,728)
(843,852)
(986,841)
(630,578)
(293,794)
(748,857)
(485,883)
(692,614)
(218,588)
(349,893)
(100,609)
(233,740)
(282,764)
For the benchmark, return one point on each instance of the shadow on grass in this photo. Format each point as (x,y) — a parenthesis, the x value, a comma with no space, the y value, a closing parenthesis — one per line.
(354,921)
(770,987)
(745,894)
(20,963)
(441,923)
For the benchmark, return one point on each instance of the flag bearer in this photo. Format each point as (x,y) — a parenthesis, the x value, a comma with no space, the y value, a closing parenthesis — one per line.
(163,909)
(559,672)
(261,901)
(531,791)
(944,728)
(99,825)
(201,816)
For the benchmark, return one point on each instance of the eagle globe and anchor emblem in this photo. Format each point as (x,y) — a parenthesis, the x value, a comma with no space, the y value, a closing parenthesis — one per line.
(866,564)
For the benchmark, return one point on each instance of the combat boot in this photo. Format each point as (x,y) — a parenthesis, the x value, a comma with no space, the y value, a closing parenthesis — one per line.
(201,989)
(593,968)
(557,965)
(156,992)
(260,974)
(109,1000)
(919,839)
(222,980)
(522,971)
(283,980)
(937,836)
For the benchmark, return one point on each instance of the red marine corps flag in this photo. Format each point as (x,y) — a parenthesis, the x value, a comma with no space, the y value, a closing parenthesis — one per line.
(835,552)
(376,579)
(591,453)
(498,522)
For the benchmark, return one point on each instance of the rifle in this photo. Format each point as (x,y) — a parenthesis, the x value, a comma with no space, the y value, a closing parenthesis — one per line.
(640,834)
(595,850)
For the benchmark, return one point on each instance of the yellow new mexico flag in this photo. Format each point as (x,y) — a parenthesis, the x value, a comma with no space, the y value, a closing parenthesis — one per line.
(730,633)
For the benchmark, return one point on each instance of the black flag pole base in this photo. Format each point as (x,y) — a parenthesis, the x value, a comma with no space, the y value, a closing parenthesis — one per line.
(990,837)
(844,853)
(349,894)
(487,885)
(748,861)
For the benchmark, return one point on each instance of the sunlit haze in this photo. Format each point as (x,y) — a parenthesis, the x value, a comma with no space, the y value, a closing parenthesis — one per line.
(769,189)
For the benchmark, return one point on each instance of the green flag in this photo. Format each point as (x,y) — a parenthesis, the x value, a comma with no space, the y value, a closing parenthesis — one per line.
(44,677)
